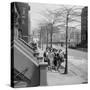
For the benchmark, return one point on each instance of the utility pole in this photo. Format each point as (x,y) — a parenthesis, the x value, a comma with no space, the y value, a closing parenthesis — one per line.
(66,56)
(41,33)
(47,36)
(40,38)
(51,32)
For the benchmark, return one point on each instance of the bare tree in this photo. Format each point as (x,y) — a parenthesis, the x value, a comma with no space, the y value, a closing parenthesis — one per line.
(51,17)
(62,17)
(43,32)
(70,15)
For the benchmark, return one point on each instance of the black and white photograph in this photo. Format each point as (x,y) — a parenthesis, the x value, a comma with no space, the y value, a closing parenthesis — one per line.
(49,44)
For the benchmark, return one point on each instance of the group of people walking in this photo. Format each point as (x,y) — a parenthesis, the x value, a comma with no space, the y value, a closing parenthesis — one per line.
(54,58)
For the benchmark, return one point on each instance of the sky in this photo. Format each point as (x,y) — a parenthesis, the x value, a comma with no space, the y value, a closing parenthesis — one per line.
(37,10)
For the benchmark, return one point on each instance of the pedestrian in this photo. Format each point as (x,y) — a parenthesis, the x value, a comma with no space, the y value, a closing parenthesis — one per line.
(58,61)
(44,55)
(55,61)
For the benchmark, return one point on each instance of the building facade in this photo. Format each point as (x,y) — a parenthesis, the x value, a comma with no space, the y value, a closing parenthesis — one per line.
(84,27)
(22,19)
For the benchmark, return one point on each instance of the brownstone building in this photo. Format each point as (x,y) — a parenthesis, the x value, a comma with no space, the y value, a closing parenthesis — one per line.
(84,27)
(21,19)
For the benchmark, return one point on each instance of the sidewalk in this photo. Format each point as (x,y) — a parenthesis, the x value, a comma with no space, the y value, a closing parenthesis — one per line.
(76,74)
(55,78)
